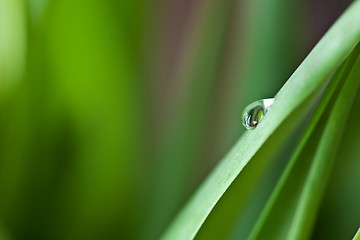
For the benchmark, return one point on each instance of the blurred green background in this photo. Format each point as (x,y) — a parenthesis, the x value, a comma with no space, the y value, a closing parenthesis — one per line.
(113,112)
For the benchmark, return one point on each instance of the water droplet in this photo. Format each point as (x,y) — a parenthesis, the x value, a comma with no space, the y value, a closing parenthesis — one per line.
(254,112)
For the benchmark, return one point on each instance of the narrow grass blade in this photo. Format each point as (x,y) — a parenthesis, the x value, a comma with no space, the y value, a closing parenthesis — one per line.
(339,212)
(308,79)
(237,210)
(280,207)
(321,167)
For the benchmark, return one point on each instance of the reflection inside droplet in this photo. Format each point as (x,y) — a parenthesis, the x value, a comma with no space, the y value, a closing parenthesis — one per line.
(254,112)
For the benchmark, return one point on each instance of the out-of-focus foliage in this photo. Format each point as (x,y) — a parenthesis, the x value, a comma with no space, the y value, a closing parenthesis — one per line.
(113,112)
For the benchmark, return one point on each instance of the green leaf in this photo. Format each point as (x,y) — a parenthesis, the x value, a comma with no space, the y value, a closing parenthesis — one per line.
(282,204)
(307,80)
(342,197)
(322,164)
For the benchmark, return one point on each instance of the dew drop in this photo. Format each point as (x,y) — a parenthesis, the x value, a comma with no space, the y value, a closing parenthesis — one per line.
(254,112)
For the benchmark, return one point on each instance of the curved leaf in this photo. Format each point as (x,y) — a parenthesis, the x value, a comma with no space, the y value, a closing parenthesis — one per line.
(281,207)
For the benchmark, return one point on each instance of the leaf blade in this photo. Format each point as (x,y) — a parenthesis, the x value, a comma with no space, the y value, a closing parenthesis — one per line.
(323,161)
(280,207)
